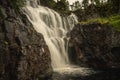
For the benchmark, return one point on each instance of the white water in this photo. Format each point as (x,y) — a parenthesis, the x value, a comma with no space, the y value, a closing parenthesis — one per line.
(54,29)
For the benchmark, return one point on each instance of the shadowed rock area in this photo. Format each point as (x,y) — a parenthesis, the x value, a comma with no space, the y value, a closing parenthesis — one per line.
(24,54)
(105,74)
(95,45)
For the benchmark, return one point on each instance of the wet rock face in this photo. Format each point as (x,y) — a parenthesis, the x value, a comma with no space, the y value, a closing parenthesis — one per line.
(24,54)
(95,45)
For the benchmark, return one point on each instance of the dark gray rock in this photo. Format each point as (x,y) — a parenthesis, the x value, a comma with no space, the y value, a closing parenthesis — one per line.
(95,45)
(24,54)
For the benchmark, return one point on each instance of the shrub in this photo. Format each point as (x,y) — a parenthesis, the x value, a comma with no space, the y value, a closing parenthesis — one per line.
(112,20)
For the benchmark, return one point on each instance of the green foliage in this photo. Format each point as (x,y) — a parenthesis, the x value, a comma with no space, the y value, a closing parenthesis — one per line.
(17,3)
(112,20)
(100,7)
(99,20)
(62,6)
(104,9)
(6,43)
(76,5)
(115,5)
(48,3)
(115,21)
(85,3)
(97,2)
(80,13)
(51,3)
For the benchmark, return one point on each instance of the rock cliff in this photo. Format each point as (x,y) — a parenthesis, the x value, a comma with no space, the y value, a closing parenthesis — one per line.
(24,54)
(95,45)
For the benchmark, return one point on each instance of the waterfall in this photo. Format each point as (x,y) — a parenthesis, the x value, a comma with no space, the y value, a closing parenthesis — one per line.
(54,29)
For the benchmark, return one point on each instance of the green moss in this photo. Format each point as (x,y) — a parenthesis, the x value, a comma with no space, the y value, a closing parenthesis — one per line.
(113,20)
(6,43)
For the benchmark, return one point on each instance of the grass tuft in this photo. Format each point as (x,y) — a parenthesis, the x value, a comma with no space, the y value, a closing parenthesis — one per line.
(112,20)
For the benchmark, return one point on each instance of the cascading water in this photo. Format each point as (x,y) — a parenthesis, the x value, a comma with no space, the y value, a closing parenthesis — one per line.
(54,29)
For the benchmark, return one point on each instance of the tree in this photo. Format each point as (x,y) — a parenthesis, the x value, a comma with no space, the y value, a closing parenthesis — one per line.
(62,5)
(115,5)
(48,3)
(77,5)
(85,3)
(97,2)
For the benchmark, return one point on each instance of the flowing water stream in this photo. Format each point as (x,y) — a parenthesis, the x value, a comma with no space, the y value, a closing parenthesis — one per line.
(54,29)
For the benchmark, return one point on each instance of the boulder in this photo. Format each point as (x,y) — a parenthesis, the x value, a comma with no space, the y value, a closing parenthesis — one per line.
(24,54)
(95,45)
